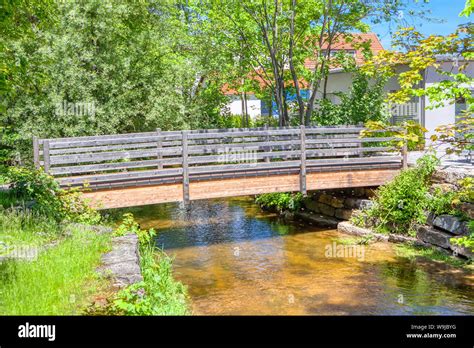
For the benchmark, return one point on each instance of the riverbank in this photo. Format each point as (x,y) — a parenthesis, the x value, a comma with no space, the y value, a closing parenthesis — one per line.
(53,250)
(48,268)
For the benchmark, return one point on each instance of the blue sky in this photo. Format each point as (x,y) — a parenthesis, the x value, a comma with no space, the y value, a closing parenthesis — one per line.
(446,13)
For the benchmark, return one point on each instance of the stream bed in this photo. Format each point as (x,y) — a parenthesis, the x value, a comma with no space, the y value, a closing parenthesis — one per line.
(237,259)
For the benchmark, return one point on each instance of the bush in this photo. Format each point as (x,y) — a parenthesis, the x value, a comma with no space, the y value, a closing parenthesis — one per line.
(37,186)
(401,203)
(442,202)
(280,201)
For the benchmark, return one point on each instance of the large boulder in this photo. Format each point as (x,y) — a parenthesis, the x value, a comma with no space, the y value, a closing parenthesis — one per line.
(326,209)
(451,224)
(343,214)
(357,203)
(331,201)
(318,220)
(468,209)
(449,176)
(348,228)
(433,236)
(461,250)
(123,262)
(311,204)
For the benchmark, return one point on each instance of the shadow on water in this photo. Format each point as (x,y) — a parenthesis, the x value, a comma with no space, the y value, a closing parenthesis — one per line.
(236,259)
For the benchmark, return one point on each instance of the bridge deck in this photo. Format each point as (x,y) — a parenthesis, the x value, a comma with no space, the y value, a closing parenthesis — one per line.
(155,167)
(206,189)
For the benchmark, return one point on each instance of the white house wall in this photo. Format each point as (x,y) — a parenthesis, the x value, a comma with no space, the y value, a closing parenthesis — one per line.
(253,105)
(446,113)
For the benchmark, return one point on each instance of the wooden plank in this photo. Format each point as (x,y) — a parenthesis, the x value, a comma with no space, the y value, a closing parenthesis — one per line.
(92,149)
(108,156)
(257,156)
(143,174)
(347,151)
(185,170)
(349,140)
(88,168)
(353,161)
(303,161)
(134,196)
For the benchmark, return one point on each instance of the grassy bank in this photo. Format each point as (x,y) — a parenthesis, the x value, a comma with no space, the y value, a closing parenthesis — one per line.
(413,252)
(61,281)
(49,254)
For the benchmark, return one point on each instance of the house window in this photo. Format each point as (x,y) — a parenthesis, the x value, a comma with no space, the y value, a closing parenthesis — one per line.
(409,111)
(460,106)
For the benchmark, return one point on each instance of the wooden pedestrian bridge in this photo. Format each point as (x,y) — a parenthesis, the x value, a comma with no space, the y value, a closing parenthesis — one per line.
(124,170)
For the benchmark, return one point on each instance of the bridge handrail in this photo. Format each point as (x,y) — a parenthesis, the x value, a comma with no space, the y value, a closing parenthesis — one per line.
(177,156)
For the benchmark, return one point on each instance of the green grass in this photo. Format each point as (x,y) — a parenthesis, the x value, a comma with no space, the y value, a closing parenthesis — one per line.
(363,240)
(7,199)
(27,228)
(60,282)
(412,252)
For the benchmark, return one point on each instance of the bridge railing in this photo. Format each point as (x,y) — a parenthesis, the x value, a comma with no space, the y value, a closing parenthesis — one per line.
(121,160)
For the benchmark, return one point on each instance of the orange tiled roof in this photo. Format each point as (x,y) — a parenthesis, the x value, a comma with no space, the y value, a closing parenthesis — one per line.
(340,44)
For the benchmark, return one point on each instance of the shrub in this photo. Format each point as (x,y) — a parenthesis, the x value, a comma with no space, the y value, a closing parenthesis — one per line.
(41,188)
(401,203)
(280,201)
(442,202)
(466,241)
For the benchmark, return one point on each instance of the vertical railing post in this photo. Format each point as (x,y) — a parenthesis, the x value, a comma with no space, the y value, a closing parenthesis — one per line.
(36,159)
(303,160)
(159,148)
(46,157)
(185,166)
(267,139)
(405,151)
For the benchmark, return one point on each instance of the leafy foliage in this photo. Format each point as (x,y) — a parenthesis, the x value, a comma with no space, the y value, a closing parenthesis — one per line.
(47,197)
(364,102)
(158,293)
(420,54)
(401,203)
(280,201)
(411,132)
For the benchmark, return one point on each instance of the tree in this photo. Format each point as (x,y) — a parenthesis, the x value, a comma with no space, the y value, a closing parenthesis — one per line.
(135,66)
(279,36)
(421,54)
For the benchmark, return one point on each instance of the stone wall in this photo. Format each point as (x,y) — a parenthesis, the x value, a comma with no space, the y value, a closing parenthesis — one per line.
(337,204)
(439,230)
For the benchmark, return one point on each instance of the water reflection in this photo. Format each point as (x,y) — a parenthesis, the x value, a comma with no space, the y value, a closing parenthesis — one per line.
(236,259)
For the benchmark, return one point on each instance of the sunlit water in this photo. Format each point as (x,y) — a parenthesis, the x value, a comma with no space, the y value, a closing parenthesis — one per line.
(236,259)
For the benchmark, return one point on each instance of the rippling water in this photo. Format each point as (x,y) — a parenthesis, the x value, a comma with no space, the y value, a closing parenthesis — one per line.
(236,259)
